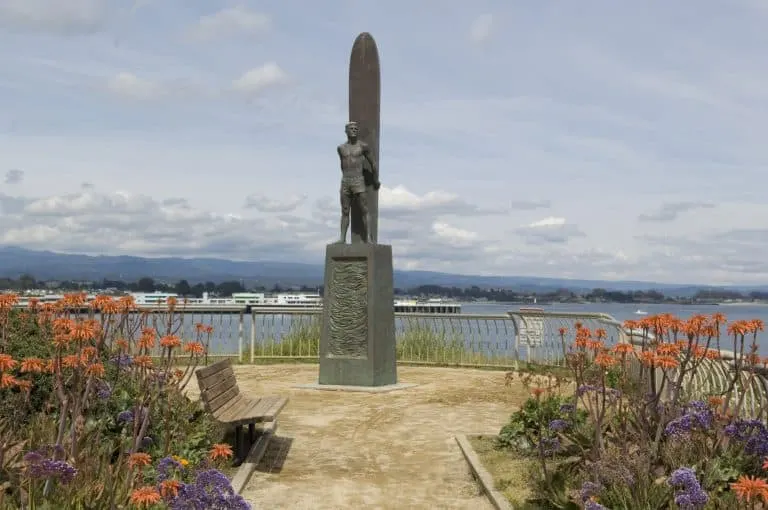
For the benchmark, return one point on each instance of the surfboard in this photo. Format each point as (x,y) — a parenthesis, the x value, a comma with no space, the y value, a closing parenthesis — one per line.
(364,108)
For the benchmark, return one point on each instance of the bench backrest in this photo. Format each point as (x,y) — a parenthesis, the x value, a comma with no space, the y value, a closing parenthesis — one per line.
(217,384)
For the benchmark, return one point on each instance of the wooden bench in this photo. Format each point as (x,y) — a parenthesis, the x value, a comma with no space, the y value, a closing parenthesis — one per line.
(222,398)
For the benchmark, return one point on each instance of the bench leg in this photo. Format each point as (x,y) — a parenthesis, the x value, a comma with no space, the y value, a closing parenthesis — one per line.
(239,455)
(251,432)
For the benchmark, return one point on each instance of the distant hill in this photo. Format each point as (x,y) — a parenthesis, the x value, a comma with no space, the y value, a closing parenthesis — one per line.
(47,265)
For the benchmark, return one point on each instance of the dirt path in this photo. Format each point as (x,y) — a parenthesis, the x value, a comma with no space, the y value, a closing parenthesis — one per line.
(376,451)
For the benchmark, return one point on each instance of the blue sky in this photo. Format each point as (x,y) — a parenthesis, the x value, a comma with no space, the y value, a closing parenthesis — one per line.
(591,139)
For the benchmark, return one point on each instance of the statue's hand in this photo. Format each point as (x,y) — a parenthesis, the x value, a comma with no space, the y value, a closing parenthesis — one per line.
(376,185)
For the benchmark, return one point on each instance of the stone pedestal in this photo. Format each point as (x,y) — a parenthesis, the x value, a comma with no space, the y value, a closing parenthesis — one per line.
(357,345)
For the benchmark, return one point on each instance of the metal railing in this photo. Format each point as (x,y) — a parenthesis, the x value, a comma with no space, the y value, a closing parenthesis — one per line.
(472,340)
(482,340)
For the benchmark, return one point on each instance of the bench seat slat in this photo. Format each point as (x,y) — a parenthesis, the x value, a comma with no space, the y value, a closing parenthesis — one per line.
(222,398)
(218,399)
(212,369)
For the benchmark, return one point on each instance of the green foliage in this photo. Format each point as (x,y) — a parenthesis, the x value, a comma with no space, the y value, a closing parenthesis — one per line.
(526,425)
(22,339)
(72,416)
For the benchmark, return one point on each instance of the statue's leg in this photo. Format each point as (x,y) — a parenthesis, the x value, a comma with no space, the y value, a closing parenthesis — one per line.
(346,200)
(362,200)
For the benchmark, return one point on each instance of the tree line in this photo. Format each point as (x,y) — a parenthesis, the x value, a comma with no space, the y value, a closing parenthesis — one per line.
(227,288)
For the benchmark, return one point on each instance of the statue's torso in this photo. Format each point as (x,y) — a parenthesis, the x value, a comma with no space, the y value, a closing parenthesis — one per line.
(352,158)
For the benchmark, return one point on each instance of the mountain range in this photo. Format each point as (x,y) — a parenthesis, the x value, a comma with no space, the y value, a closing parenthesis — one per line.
(47,265)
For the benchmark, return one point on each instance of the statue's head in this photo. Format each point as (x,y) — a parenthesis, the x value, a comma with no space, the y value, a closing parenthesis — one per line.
(351,129)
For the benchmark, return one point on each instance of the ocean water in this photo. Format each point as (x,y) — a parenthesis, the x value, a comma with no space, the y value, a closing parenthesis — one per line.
(491,335)
(624,312)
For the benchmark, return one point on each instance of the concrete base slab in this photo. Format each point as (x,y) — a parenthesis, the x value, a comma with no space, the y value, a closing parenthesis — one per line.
(363,389)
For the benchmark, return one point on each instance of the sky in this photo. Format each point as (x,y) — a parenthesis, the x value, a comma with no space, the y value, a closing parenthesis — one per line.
(589,140)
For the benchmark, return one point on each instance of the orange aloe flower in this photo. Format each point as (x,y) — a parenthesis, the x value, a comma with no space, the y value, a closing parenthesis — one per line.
(147,338)
(666,362)
(194,348)
(142,361)
(35,365)
(605,360)
(647,358)
(595,345)
(715,401)
(169,488)
(7,362)
(23,384)
(748,487)
(71,361)
(139,459)
(668,349)
(738,328)
(95,369)
(7,301)
(8,381)
(623,348)
(712,354)
(562,331)
(170,341)
(220,451)
(122,344)
(146,496)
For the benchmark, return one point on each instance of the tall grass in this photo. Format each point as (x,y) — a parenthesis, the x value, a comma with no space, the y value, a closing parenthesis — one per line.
(417,343)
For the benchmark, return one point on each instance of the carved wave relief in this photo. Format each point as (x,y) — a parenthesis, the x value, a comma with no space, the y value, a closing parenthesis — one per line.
(348,310)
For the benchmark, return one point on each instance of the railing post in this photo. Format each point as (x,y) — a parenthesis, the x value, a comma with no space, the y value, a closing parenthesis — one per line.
(253,335)
(240,337)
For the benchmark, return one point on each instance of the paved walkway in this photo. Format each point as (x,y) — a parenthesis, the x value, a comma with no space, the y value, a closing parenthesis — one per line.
(395,450)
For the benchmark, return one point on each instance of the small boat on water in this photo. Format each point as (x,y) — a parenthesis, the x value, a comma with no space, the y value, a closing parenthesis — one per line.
(641,312)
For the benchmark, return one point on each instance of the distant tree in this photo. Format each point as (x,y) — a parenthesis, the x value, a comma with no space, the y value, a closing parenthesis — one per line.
(182,288)
(27,281)
(145,284)
(210,287)
(229,288)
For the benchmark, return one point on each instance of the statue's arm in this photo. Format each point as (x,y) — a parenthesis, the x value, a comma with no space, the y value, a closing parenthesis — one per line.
(374,169)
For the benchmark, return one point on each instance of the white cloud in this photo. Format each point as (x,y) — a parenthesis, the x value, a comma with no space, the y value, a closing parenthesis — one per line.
(54,16)
(453,235)
(550,230)
(266,203)
(238,20)
(260,78)
(481,28)
(671,210)
(130,86)
(14,176)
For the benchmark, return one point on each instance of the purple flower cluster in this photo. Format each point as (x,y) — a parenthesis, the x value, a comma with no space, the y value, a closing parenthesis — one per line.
(696,416)
(104,390)
(122,360)
(38,466)
(588,495)
(165,466)
(128,416)
(549,445)
(586,388)
(588,490)
(211,490)
(558,425)
(752,433)
(567,408)
(688,492)
(611,393)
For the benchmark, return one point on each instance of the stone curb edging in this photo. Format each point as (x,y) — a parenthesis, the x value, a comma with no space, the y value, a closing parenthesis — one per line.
(246,469)
(485,479)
